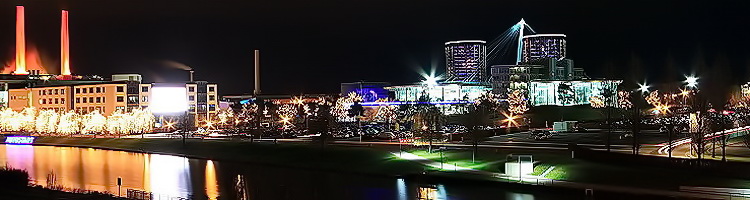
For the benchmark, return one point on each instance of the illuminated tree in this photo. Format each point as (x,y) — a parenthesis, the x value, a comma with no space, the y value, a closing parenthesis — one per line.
(517,104)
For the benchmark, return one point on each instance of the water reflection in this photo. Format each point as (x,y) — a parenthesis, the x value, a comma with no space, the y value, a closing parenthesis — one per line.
(173,177)
(170,175)
(212,186)
(91,169)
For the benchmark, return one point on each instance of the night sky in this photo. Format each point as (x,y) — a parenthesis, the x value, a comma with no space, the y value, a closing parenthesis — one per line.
(312,46)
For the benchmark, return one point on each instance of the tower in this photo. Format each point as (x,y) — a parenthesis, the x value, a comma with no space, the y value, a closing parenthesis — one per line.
(466,61)
(64,45)
(20,42)
(541,46)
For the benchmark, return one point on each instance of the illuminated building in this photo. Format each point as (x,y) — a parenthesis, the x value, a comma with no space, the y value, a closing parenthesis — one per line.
(125,93)
(369,91)
(441,94)
(466,61)
(569,93)
(106,98)
(542,46)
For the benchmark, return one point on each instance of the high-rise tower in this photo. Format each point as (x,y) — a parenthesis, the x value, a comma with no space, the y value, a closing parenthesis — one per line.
(541,46)
(466,61)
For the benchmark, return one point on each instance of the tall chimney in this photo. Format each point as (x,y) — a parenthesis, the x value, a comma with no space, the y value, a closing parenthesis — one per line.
(257,72)
(20,42)
(191,75)
(64,45)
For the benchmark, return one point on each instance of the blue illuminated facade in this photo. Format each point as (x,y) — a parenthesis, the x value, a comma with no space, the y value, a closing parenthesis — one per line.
(370,91)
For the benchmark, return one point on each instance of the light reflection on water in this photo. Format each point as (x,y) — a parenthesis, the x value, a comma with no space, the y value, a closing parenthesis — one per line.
(93,169)
(168,177)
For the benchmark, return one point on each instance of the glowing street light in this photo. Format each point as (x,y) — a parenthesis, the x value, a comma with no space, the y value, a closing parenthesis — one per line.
(691,81)
(643,87)
(430,80)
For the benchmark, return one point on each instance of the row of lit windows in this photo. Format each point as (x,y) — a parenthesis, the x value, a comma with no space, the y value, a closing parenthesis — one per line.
(90,109)
(51,91)
(52,101)
(210,89)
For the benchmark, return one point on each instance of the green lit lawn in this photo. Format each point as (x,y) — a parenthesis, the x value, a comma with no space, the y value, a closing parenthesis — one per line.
(463,159)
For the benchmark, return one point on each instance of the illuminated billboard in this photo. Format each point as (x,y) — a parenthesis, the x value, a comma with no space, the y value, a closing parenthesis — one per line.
(168,100)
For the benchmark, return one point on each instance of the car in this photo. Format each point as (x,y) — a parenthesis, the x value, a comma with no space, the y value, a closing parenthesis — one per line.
(540,134)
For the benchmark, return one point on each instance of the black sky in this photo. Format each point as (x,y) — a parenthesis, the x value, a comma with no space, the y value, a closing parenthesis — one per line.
(312,46)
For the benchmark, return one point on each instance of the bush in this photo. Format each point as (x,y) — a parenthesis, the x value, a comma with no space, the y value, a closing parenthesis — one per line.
(13,178)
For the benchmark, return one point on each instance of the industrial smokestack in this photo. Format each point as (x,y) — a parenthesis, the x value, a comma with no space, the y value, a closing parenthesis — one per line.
(257,72)
(191,75)
(20,42)
(64,45)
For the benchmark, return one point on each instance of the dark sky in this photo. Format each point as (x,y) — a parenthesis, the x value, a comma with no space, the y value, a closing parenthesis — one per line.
(312,46)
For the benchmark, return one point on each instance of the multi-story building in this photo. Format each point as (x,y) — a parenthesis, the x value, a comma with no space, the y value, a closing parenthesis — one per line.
(202,98)
(541,46)
(83,98)
(466,61)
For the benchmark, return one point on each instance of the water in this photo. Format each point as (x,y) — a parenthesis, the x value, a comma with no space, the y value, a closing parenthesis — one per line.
(174,177)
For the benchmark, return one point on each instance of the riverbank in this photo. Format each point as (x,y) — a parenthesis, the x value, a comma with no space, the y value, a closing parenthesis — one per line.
(354,159)
(378,160)
(15,185)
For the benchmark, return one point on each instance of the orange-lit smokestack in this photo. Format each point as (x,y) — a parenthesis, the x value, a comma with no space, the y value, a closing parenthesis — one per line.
(20,42)
(64,45)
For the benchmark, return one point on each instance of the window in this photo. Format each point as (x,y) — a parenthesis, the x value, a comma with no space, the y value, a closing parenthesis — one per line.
(44,101)
(211,97)
(120,89)
(84,90)
(191,89)
(120,99)
(211,107)
(78,90)
(211,89)
(91,90)
(98,90)
(62,101)
(91,99)
(44,92)
(84,99)
(104,99)
(57,101)
(78,100)
(56,91)
(98,99)
(144,99)
(191,98)
(144,89)
(62,91)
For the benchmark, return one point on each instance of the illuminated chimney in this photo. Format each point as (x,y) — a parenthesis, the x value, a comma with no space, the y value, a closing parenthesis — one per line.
(20,42)
(64,45)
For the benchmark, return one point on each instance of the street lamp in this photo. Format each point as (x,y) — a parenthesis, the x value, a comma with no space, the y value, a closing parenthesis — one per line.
(643,87)
(692,81)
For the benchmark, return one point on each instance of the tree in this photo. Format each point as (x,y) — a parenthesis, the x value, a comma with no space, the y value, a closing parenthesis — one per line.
(424,118)
(483,112)
(565,93)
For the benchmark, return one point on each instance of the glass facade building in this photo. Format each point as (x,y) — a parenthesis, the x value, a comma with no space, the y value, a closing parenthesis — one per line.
(542,46)
(466,61)
(570,93)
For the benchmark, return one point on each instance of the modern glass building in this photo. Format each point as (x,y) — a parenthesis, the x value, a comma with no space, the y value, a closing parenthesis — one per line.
(570,93)
(542,46)
(466,61)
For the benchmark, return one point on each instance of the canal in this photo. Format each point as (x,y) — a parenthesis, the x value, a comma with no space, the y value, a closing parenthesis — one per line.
(174,177)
